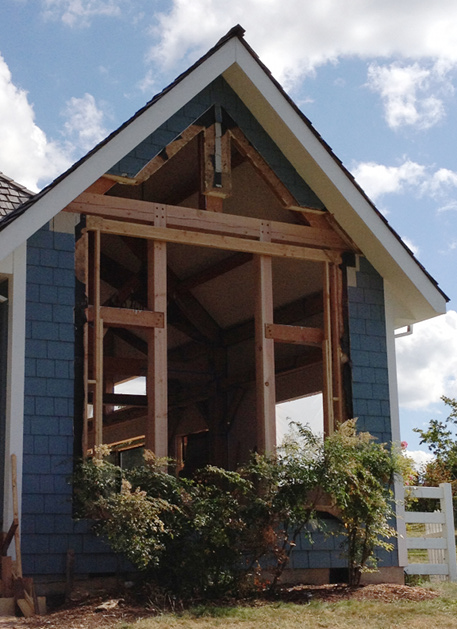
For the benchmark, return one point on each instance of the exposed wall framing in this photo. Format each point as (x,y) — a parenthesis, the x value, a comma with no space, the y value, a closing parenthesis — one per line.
(187,297)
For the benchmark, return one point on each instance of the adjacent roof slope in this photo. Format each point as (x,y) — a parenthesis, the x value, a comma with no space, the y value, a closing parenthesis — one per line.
(12,195)
(417,294)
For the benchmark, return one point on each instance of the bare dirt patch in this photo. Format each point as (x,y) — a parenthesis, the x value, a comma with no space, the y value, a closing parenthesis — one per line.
(106,612)
(333,593)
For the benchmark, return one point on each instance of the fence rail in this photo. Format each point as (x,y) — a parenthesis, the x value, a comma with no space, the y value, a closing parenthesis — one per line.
(439,538)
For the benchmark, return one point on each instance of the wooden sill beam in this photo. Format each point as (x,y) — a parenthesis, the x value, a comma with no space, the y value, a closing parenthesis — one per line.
(212,241)
(295,334)
(123,431)
(178,217)
(127,318)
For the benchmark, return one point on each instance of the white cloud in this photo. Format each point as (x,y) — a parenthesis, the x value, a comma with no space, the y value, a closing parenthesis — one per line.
(416,179)
(84,127)
(26,154)
(409,93)
(80,12)
(419,457)
(293,38)
(147,83)
(441,182)
(378,179)
(427,362)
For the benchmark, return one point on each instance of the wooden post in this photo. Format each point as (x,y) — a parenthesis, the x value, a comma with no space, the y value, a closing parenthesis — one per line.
(327,389)
(264,348)
(335,289)
(85,435)
(157,375)
(447,508)
(98,344)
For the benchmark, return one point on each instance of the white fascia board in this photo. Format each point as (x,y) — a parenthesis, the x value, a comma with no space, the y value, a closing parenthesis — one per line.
(15,377)
(120,145)
(331,183)
(389,309)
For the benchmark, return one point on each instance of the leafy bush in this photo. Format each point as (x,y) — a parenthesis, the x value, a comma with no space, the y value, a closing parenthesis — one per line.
(220,532)
(359,476)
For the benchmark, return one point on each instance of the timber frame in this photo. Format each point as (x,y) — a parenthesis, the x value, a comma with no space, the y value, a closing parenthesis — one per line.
(111,209)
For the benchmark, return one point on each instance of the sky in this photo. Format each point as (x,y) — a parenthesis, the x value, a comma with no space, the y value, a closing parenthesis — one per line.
(378,80)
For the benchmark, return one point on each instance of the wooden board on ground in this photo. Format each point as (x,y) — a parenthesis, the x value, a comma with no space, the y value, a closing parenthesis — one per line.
(7,606)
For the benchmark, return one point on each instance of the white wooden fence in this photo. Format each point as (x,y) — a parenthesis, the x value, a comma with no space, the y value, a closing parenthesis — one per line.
(439,539)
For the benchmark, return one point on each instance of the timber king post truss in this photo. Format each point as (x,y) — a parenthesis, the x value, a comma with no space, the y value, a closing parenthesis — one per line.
(312,237)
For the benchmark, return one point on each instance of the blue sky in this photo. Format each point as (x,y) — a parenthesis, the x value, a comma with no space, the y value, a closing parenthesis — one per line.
(377,80)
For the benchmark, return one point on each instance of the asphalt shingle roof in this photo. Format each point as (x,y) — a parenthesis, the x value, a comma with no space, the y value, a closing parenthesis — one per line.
(12,195)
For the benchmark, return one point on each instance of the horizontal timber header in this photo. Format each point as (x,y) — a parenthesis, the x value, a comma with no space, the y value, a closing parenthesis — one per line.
(322,236)
(213,241)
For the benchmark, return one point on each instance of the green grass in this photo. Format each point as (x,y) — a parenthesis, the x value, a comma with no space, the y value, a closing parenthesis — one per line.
(352,614)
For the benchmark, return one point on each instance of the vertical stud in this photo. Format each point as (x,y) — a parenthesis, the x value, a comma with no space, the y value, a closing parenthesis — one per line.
(264,348)
(156,386)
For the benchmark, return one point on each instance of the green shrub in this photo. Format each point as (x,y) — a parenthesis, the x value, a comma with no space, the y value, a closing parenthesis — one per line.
(359,476)
(220,532)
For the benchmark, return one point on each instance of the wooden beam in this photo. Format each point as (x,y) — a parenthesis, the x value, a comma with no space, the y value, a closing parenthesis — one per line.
(217,165)
(261,166)
(264,353)
(94,264)
(131,339)
(82,246)
(212,241)
(133,210)
(122,431)
(336,315)
(192,309)
(168,152)
(329,417)
(101,186)
(287,365)
(214,271)
(127,318)
(113,272)
(121,367)
(156,381)
(295,334)
(128,288)
(298,310)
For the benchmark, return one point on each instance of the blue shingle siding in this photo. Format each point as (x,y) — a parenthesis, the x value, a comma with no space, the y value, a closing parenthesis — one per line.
(219,92)
(370,377)
(48,528)
(367,331)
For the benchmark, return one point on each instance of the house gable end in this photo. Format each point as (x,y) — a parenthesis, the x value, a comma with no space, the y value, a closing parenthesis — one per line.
(217,93)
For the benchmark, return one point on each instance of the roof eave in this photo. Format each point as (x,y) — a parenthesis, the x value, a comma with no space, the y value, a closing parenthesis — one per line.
(417,293)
